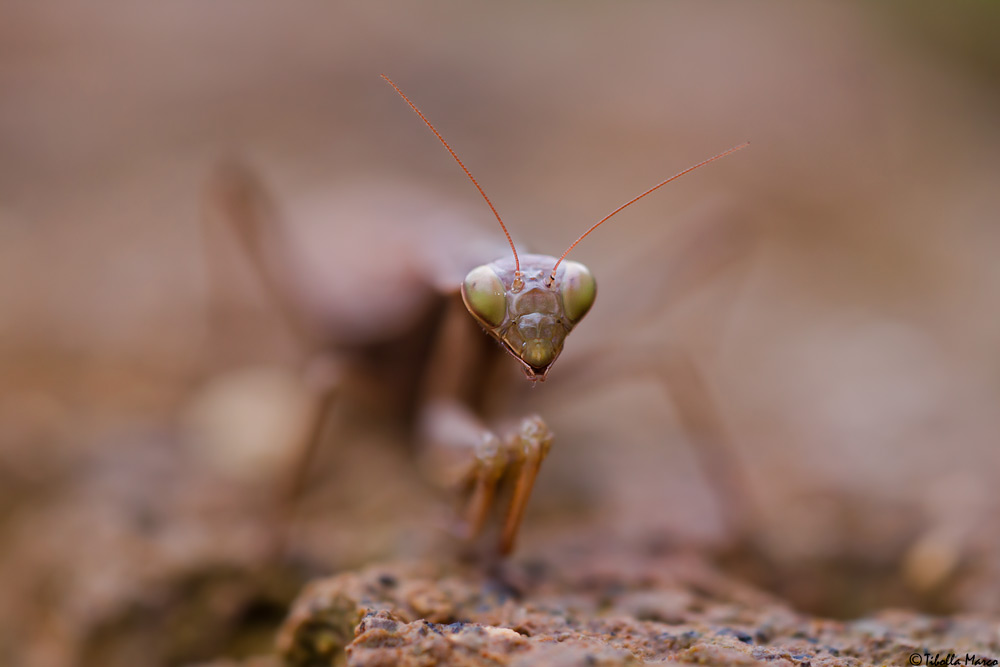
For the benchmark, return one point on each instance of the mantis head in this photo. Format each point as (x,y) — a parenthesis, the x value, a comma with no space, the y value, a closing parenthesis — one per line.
(527,310)
(531,309)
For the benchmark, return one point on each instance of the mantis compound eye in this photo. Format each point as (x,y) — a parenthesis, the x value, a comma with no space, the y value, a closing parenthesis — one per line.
(484,295)
(579,289)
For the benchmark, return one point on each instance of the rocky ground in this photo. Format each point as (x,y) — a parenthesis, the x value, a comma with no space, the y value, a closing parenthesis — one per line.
(595,607)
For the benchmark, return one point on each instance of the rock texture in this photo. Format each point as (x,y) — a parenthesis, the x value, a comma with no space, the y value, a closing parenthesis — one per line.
(595,609)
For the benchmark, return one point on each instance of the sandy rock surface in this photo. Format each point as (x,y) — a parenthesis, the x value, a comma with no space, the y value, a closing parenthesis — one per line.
(595,609)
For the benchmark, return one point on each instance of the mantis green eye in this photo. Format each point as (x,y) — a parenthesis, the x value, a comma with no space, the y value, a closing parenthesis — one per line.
(484,295)
(579,289)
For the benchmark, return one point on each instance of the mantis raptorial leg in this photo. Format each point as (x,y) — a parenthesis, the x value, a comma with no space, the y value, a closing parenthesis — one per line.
(528,304)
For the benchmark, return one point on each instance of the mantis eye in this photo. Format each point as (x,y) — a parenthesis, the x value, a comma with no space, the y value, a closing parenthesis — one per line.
(484,295)
(579,289)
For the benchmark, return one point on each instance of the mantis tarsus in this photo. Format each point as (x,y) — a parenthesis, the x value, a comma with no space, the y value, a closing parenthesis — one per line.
(527,303)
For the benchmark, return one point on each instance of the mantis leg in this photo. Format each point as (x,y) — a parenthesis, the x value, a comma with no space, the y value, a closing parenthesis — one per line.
(686,386)
(461,452)
(238,201)
(237,198)
(531,444)
(469,457)
(324,382)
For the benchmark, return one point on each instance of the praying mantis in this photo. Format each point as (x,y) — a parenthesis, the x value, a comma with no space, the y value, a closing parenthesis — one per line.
(527,305)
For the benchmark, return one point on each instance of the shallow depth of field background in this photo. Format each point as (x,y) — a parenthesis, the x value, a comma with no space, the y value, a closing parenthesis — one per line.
(853,345)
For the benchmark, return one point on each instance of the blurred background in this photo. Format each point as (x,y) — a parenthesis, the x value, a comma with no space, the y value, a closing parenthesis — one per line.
(837,294)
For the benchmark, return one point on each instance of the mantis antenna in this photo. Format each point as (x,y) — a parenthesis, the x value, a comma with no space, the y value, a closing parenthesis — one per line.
(517,263)
(552,276)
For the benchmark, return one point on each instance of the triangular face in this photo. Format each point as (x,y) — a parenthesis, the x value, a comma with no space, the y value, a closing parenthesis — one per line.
(532,319)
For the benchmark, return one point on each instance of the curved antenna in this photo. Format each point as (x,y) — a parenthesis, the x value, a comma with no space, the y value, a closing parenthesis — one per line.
(723,154)
(517,263)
